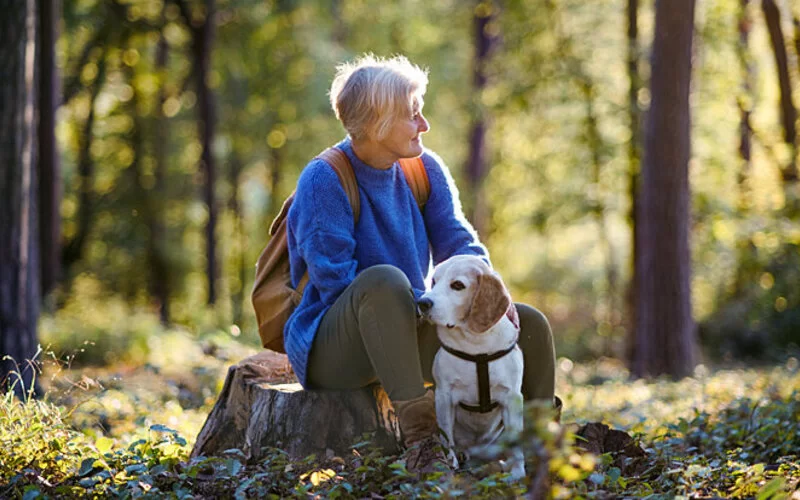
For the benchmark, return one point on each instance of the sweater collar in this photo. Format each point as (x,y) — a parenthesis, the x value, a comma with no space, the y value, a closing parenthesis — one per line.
(366,174)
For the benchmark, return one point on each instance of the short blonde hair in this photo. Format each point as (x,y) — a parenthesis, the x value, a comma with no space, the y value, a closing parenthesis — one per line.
(368,94)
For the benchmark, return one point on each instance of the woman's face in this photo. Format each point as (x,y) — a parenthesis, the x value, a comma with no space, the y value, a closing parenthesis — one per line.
(404,139)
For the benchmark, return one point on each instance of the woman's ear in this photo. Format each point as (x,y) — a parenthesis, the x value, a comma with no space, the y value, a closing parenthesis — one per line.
(489,303)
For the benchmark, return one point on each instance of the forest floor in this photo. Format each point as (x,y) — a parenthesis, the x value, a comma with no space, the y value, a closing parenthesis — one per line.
(126,431)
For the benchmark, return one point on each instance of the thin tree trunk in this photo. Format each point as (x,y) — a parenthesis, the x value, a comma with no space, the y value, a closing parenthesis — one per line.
(275,177)
(339,34)
(205,100)
(486,40)
(237,294)
(49,169)
(634,161)
(772,16)
(19,237)
(745,248)
(202,40)
(595,143)
(745,102)
(665,332)
(159,274)
(72,250)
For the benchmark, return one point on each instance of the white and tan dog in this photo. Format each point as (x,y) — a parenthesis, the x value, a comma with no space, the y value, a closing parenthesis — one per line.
(478,369)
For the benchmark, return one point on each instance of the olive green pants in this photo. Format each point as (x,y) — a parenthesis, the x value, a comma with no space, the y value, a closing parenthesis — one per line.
(372,334)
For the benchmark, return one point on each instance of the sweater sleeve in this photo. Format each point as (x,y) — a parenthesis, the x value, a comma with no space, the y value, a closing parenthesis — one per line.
(449,232)
(321,225)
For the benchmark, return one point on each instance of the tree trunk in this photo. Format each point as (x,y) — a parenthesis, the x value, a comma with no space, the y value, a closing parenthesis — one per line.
(745,102)
(594,141)
(159,274)
(772,16)
(203,39)
(72,250)
(745,249)
(486,39)
(19,237)
(49,169)
(239,233)
(251,415)
(665,341)
(634,163)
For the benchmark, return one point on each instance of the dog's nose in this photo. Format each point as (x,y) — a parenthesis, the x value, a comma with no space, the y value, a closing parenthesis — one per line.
(424,305)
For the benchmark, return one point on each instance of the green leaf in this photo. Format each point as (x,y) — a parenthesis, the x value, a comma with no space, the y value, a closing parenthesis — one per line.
(597,478)
(104,444)
(770,489)
(31,492)
(87,465)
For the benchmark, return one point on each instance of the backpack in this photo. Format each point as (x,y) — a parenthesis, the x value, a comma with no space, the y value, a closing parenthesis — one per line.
(274,298)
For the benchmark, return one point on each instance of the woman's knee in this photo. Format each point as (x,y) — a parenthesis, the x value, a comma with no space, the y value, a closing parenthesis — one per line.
(383,276)
(535,329)
(384,283)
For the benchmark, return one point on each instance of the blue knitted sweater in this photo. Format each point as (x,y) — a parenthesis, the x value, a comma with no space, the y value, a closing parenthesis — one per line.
(324,239)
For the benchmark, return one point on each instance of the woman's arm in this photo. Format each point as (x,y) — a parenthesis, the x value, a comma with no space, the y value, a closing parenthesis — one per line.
(321,230)
(449,232)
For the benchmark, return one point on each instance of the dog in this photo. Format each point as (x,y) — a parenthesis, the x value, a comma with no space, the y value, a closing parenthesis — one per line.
(478,368)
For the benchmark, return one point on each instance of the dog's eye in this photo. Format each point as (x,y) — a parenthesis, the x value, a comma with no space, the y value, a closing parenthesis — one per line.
(457,285)
(433,282)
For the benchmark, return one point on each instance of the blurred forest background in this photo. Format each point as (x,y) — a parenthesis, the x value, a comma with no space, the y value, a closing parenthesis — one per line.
(171,131)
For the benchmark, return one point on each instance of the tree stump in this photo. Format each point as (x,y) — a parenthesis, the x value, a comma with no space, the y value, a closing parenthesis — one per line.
(251,415)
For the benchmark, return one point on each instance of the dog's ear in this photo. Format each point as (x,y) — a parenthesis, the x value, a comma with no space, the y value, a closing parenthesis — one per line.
(489,303)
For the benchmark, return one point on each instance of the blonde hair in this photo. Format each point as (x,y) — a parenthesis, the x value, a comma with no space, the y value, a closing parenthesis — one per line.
(370,93)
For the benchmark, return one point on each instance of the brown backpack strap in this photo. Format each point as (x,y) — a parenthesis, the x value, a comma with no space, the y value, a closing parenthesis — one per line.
(417,178)
(336,158)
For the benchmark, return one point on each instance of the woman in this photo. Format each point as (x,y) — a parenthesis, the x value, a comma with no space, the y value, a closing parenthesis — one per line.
(356,323)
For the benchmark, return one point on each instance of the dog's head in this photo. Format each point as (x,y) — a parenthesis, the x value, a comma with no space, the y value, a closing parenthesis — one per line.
(465,293)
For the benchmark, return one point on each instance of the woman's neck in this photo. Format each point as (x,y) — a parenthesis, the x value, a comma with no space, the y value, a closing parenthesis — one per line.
(373,154)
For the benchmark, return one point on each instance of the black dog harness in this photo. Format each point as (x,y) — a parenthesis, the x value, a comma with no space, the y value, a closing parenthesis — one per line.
(485,404)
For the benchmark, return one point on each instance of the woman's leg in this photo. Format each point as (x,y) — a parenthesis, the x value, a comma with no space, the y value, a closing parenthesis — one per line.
(538,354)
(369,335)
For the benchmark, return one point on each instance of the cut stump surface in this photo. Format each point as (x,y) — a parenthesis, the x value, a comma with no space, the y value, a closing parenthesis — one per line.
(251,414)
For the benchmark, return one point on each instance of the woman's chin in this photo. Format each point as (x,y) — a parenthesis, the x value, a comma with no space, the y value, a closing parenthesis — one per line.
(415,149)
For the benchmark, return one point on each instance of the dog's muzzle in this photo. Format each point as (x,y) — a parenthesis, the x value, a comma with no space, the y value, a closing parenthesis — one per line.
(424,306)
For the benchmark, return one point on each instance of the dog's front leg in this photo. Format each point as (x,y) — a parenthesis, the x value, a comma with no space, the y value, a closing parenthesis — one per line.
(512,422)
(446,418)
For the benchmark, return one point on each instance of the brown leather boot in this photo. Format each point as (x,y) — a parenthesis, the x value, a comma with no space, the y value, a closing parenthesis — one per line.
(417,418)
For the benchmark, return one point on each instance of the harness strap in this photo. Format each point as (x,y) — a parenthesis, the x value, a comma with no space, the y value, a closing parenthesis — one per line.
(485,404)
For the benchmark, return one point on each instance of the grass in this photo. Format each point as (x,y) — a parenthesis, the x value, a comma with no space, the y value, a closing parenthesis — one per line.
(125,430)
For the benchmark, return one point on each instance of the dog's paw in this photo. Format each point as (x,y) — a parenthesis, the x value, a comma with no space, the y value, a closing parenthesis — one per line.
(515,468)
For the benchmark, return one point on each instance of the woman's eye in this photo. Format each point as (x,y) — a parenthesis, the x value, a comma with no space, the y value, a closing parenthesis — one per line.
(457,285)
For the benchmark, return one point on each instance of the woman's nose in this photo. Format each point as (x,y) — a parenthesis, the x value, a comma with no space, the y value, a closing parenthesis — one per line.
(422,124)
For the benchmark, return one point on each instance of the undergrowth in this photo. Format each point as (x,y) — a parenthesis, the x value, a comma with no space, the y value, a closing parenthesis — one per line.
(721,434)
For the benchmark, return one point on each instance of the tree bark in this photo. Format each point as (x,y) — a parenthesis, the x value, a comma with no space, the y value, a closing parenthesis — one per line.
(251,415)
(772,16)
(745,101)
(159,274)
(72,250)
(19,237)
(665,335)
(202,41)
(49,168)
(594,141)
(486,40)
(634,162)
(242,267)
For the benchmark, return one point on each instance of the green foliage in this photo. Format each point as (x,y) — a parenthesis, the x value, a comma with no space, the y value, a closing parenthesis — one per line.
(760,317)
(736,437)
